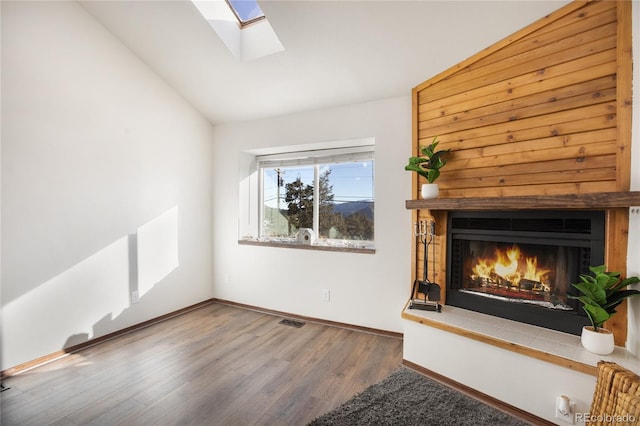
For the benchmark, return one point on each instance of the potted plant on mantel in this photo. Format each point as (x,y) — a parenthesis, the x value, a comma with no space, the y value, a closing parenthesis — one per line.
(602,292)
(428,165)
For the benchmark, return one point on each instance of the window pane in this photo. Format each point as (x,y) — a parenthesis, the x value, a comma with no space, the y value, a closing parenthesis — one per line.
(347,200)
(246,10)
(288,200)
(342,200)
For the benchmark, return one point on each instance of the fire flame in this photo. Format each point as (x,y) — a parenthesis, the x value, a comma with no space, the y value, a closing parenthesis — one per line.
(506,264)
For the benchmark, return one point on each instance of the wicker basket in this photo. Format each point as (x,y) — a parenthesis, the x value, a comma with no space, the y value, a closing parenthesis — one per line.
(616,399)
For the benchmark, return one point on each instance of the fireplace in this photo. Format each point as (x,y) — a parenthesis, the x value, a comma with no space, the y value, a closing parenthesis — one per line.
(520,264)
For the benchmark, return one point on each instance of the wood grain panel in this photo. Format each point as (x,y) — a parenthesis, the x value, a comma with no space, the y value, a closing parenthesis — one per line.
(624,87)
(617,224)
(533,189)
(502,82)
(537,26)
(555,33)
(564,141)
(609,200)
(596,40)
(524,179)
(504,93)
(603,116)
(530,157)
(543,103)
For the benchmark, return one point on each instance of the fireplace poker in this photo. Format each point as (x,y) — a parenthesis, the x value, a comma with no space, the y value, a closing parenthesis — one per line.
(425,231)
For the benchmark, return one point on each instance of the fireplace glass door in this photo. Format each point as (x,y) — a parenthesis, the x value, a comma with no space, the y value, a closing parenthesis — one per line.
(520,265)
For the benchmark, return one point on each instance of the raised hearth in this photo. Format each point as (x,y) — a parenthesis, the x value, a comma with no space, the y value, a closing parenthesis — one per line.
(551,346)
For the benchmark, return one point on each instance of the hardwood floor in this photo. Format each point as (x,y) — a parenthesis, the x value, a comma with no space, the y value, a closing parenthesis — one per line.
(217,365)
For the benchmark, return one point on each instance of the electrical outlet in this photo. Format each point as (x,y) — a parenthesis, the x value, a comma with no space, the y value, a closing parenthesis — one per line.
(326,295)
(135,296)
(565,409)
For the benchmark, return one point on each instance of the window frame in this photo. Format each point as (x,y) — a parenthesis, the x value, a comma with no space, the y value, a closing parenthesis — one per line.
(245,22)
(314,158)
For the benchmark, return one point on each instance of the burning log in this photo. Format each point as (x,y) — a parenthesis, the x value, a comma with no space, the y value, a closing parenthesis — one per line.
(500,280)
(476,281)
(529,285)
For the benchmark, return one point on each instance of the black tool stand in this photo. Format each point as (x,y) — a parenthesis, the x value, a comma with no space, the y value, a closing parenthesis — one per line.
(424,304)
(425,232)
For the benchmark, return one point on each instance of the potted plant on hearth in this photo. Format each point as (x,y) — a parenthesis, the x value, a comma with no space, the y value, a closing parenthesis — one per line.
(428,166)
(602,292)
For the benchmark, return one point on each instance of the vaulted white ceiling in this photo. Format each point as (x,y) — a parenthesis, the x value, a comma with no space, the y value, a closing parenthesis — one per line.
(336,52)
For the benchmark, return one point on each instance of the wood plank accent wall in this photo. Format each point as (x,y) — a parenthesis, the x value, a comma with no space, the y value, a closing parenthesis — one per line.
(545,111)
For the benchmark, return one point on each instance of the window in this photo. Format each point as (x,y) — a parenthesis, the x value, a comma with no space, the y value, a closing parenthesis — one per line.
(321,197)
(246,11)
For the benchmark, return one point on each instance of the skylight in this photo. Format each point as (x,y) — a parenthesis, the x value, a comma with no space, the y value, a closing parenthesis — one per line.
(249,37)
(247,11)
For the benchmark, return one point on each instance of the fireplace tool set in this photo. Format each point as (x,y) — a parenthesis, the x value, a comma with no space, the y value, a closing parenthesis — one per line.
(425,231)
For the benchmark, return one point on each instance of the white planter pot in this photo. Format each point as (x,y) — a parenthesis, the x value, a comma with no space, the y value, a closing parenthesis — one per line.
(600,343)
(429,190)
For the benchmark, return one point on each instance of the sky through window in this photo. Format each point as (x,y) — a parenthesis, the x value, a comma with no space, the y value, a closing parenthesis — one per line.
(247,11)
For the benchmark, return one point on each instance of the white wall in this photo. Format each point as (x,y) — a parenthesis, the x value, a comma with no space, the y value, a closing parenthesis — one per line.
(106,185)
(524,382)
(366,289)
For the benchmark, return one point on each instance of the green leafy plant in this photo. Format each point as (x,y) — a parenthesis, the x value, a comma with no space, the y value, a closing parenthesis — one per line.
(602,292)
(428,165)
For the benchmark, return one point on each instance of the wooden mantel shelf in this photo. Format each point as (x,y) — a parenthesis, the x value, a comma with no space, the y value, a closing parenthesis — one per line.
(600,200)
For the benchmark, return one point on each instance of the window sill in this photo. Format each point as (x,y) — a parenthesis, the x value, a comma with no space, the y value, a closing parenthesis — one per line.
(306,247)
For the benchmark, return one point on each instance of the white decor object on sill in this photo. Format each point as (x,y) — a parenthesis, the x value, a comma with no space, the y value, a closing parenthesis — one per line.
(306,236)
(429,190)
(598,342)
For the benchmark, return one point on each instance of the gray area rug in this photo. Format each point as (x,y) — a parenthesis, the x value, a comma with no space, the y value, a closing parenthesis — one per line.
(409,398)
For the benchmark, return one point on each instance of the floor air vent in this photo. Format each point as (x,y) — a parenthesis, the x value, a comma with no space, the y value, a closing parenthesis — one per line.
(292,323)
